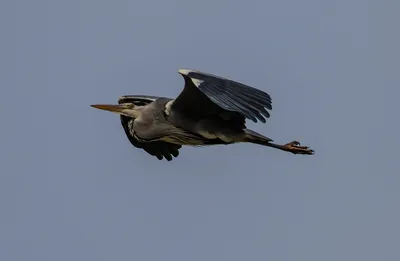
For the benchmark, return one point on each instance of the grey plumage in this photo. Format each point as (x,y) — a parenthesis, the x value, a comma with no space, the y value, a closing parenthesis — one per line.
(210,110)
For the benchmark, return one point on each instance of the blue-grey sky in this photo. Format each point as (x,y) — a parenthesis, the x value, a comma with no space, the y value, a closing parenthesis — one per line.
(73,188)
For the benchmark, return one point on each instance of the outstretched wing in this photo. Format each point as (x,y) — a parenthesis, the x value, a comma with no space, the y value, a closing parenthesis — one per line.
(160,149)
(206,94)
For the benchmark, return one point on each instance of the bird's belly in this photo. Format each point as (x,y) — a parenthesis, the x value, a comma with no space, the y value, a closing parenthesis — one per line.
(207,134)
(188,141)
(212,136)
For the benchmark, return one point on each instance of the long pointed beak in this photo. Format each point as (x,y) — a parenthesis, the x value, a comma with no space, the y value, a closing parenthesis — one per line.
(108,107)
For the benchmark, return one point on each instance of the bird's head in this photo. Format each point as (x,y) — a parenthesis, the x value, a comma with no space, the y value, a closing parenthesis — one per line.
(128,105)
(126,109)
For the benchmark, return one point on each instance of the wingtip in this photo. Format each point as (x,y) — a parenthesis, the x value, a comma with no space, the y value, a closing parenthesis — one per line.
(184,71)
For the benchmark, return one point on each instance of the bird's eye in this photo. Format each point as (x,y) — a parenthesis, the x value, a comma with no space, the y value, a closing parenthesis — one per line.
(129,105)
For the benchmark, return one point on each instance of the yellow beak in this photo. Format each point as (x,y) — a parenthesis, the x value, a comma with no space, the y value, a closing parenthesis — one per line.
(108,107)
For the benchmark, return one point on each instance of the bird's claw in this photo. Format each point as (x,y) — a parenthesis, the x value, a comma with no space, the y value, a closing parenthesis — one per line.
(293,143)
(295,148)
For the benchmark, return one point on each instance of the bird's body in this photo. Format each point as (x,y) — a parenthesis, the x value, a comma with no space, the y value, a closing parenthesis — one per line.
(209,111)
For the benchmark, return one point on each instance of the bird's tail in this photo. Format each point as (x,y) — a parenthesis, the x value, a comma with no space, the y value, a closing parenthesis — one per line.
(256,138)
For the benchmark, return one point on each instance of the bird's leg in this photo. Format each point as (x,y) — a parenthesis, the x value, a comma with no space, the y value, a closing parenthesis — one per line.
(293,147)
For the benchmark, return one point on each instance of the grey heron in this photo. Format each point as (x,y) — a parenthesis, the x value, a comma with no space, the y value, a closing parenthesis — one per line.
(210,110)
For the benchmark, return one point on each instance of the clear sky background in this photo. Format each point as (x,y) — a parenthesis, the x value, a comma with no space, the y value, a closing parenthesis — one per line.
(73,188)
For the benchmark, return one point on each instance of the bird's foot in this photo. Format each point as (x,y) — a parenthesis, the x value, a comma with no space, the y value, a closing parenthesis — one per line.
(295,148)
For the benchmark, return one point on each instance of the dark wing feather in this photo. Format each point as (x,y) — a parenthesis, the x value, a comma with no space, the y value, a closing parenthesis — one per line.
(160,149)
(203,93)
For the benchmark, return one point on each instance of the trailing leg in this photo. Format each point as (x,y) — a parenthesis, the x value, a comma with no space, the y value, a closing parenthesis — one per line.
(292,147)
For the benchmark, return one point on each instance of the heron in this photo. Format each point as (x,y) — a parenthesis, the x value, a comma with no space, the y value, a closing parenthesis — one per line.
(210,110)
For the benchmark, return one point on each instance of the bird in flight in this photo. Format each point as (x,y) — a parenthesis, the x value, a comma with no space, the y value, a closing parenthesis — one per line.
(210,110)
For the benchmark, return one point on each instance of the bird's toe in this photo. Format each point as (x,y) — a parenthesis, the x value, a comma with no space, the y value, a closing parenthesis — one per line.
(295,148)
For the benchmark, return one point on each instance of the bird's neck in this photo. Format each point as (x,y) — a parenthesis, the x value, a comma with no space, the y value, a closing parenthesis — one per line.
(135,113)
